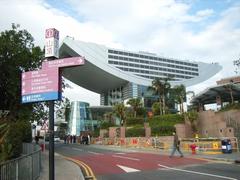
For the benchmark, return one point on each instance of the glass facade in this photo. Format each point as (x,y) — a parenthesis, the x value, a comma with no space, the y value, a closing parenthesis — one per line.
(80,118)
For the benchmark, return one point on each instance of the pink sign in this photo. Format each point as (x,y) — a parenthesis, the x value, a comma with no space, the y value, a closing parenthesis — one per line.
(65,62)
(52,32)
(40,81)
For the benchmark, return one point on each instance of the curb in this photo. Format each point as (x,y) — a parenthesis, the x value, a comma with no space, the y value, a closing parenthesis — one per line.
(86,170)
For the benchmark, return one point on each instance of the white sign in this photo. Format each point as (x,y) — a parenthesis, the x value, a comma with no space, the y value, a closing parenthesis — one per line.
(51,43)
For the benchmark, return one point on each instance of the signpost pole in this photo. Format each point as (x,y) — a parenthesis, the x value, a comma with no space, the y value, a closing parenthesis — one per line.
(51,141)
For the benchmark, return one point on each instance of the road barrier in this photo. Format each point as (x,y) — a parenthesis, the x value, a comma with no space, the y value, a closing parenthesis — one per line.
(203,145)
(26,167)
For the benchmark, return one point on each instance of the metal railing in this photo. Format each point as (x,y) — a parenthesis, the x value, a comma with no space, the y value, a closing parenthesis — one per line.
(26,167)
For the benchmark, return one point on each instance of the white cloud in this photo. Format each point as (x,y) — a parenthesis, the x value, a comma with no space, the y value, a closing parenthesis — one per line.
(163,27)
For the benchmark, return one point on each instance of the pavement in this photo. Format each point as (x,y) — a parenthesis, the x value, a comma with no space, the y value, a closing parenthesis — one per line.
(67,169)
(64,169)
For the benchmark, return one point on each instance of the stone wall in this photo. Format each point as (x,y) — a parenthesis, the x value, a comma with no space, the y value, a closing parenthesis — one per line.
(219,124)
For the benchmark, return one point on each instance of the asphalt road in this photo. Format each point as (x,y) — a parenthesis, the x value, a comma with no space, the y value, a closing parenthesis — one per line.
(110,164)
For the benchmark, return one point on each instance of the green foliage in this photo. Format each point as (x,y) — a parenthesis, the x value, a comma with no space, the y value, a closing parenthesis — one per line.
(26,131)
(106,125)
(166,120)
(135,121)
(230,107)
(164,125)
(96,132)
(156,108)
(136,131)
(179,94)
(120,111)
(192,117)
(12,145)
(161,88)
(17,133)
(162,130)
(17,54)
(135,103)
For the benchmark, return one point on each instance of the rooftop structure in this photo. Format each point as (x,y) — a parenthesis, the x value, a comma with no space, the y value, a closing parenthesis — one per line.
(118,75)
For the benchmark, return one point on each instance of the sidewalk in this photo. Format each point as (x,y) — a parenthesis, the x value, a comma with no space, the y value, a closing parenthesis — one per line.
(64,169)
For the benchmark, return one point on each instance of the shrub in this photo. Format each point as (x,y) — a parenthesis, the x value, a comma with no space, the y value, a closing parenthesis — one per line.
(230,107)
(136,131)
(106,125)
(12,145)
(26,131)
(162,130)
(134,121)
(166,120)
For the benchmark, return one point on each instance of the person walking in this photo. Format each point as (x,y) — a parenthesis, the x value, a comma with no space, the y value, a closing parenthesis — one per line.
(176,145)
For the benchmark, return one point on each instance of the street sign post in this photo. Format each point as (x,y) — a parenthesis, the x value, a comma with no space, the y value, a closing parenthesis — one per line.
(45,84)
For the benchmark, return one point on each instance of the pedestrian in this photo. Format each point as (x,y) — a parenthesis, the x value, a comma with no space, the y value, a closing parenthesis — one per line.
(36,139)
(176,145)
(88,139)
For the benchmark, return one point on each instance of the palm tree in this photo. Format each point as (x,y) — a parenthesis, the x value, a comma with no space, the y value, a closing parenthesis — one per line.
(161,88)
(119,110)
(135,103)
(180,95)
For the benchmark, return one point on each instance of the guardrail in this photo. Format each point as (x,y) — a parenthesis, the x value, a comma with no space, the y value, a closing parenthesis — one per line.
(26,167)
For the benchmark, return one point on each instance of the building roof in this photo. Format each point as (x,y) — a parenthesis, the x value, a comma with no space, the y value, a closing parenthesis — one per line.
(99,76)
(209,95)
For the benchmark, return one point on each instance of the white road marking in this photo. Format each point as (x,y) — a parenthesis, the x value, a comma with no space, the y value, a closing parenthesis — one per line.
(123,157)
(120,153)
(95,153)
(77,149)
(128,169)
(195,172)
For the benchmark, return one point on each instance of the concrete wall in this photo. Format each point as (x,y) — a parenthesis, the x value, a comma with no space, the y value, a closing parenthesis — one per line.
(218,124)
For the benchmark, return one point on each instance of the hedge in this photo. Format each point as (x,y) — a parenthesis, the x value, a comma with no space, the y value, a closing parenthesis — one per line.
(134,121)
(166,120)
(162,130)
(136,131)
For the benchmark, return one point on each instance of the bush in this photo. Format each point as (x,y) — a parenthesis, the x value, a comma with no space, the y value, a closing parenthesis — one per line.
(166,120)
(106,125)
(26,131)
(12,145)
(134,121)
(230,107)
(18,132)
(136,131)
(162,130)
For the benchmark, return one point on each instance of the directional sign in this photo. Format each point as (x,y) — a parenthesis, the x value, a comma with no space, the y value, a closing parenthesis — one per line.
(65,62)
(40,81)
(41,85)
(41,97)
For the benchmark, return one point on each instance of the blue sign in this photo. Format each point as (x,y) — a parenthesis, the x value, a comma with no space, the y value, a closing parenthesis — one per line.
(47,96)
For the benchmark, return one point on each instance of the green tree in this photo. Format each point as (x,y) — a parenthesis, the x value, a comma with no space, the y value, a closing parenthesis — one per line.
(161,88)
(192,117)
(136,104)
(120,110)
(179,93)
(17,54)
(155,108)
(237,64)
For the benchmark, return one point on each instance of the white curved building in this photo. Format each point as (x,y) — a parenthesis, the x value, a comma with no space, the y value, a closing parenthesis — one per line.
(118,74)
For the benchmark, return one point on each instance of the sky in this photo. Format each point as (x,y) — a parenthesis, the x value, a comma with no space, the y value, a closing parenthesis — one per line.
(195,30)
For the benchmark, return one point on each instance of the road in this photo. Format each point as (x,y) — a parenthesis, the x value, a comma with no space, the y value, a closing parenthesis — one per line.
(118,164)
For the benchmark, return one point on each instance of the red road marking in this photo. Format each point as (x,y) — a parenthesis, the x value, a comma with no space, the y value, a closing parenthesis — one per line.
(107,163)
